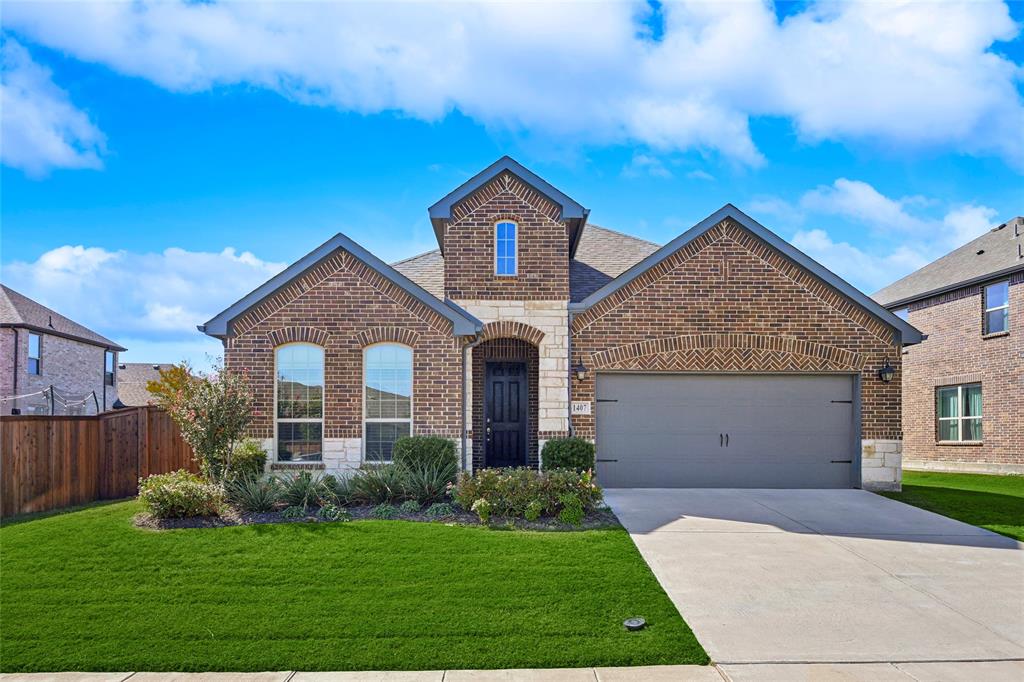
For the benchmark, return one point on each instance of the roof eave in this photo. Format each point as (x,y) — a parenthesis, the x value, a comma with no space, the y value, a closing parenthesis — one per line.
(220,325)
(906,333)
(996,274)
(107,344)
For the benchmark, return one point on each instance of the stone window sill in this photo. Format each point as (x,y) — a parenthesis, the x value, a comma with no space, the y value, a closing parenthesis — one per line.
(968,443)
(995,335)
(297,466)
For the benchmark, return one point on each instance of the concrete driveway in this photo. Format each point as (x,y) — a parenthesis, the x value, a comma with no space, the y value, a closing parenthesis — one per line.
(782,576)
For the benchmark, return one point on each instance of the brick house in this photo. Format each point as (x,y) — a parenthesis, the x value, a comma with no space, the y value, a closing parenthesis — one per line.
(723,358)
(963,386)
(40,349)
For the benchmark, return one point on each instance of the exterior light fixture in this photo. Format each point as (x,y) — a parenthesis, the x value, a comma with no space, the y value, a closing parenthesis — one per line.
(634,624)
(580,371)
(887,372)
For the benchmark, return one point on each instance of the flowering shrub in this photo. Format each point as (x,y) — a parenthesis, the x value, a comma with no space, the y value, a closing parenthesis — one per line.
(212,413)
(482,508)
(513,493)
(180,494)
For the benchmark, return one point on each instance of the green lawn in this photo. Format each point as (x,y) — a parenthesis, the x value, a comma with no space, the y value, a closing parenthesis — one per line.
(993,502)
(89,591)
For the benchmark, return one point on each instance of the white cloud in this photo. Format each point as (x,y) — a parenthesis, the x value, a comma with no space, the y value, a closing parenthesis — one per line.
(644,164)
(41,128)
(904,75)
(899,235)
(700,175)
(151,300)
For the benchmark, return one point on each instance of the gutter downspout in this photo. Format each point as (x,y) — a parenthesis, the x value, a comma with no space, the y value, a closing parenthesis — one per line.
(15,389)
(465,392)
(569,346)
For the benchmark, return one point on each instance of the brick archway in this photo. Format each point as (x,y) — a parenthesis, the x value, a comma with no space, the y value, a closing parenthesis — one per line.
(511,329)
(314,335)
(373,335)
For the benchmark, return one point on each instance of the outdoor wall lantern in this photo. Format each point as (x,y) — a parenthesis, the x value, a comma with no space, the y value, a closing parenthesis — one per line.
(887,372)
(580,371)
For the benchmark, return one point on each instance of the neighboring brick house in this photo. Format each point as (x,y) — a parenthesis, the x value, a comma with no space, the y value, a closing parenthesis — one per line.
(40,349)
(724,358)
(963,386)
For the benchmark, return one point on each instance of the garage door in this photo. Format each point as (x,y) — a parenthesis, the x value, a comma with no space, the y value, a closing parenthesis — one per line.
(725,431)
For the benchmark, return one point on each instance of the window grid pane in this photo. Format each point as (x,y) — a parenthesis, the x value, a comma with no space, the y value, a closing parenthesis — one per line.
(505,248)
(300,441)
(388,399)
(959,412)
(300,391)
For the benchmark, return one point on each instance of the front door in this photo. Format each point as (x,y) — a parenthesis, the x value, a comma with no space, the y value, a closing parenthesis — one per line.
(505,410)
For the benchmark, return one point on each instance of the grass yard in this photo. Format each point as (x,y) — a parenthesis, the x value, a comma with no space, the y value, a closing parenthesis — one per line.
(992,502)
(89,591)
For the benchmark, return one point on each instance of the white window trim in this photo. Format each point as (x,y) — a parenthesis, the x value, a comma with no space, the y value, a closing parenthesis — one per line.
(988,310)
(515,270)
(960,414)
(38,358)
(382,420)
(302,419)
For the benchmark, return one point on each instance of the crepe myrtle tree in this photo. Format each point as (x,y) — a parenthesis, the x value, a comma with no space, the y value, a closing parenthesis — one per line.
(213,412)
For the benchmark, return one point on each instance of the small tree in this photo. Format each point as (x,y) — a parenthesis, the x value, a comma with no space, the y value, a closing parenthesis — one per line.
(213,411)
(171,380)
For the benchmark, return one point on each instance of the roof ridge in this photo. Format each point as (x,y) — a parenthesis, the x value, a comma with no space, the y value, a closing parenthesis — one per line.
(622,234)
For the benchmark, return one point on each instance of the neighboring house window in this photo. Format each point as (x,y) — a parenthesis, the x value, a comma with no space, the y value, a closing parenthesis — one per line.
(997,307)
(108,368)
(902,313)
(300,403)
(505,250)
(958,410)
(387,394)
(34,348)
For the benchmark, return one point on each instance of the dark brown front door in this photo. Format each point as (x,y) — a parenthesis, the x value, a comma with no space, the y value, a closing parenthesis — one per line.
(505,411)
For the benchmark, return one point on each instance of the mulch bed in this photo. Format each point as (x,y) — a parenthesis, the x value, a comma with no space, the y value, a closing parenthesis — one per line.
(598,519)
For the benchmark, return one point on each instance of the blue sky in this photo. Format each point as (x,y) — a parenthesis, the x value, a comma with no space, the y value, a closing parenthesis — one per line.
(159,161)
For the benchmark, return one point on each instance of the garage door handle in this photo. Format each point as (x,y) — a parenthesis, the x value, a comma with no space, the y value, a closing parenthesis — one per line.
(727,440)
(607,460)
(721,440)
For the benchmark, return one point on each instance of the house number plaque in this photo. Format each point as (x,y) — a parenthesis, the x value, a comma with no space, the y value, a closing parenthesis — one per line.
(581,407)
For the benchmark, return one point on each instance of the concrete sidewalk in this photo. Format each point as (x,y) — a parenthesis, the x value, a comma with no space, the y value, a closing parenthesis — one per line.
(946,671)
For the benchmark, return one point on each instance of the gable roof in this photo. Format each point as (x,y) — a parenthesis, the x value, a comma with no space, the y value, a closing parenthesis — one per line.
(18,310)
(571,211)
(908,334)
(995,253)
(602,255)
(462,322)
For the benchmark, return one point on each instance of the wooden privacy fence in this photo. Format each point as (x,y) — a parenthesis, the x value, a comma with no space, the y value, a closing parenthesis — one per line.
(49,462)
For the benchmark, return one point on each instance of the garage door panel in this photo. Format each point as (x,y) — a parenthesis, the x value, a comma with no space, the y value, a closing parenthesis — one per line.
(664,430)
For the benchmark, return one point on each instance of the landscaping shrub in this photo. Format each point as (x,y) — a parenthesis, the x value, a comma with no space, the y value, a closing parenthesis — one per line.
(533,511)
(409,507)
(511,492)
(180,494)
(417,450)
(294,512)
(572,512)
(304,489)
(377,484)
(332,512)
(482,508)
(427,481)
(248,460)
(440,510)
(384,511)
(341,489)
(568,453)
(254,493)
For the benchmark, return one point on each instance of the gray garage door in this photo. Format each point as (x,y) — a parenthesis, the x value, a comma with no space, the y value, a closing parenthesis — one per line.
(724,431)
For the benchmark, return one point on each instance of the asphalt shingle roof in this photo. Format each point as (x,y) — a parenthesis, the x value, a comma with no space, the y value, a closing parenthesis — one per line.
(999,250)
(20,310)
(601,256)
(132,378)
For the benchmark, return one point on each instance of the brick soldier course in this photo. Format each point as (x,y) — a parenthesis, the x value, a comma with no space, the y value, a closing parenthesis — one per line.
(726,297)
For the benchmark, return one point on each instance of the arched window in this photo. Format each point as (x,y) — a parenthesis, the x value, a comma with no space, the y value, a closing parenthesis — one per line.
(506,239)
(299,408)
(387,398)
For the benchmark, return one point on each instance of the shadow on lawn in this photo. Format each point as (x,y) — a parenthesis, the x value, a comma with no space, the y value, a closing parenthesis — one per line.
(994,511)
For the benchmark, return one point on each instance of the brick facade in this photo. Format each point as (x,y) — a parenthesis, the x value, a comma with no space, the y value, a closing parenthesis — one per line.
(958,352)
(725,302)
(73,368)
(728,302)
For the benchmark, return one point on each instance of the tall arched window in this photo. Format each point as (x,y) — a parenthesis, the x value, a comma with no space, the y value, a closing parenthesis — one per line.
(300,403)
(387,398)
(506,250)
